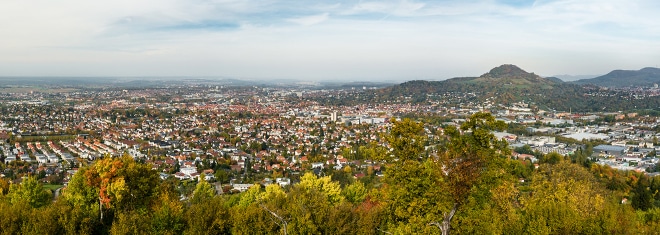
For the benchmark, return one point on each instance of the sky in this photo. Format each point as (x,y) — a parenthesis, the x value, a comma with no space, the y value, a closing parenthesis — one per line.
(325,40)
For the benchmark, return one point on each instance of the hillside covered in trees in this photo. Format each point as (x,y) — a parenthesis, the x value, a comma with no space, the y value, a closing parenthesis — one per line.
(623,78)
(471,186)
(508,84)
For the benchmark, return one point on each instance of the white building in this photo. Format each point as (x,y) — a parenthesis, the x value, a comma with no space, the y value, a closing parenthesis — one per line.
(283,181)
(41,158)
(242,187)
(188,170)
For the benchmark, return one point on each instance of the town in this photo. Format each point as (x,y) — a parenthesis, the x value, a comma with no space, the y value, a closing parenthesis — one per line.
(237,136)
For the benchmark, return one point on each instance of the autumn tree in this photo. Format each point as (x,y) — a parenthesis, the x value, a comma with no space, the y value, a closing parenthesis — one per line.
(406,139)
(212,217)
(565,199)
(110,187)
(4,186)
(355,192)
(329,189)
(415,192)
(167,215)
(203,191)
(473,162)
(30,191)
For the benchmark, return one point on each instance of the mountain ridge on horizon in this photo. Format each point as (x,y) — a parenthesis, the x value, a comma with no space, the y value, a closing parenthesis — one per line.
(646,76)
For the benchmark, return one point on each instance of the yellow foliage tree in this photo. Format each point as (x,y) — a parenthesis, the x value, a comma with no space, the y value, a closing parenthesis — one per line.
(329,188)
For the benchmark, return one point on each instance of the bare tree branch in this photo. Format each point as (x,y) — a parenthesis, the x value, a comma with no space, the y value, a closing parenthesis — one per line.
(446,221)
(283,223)
(386,232)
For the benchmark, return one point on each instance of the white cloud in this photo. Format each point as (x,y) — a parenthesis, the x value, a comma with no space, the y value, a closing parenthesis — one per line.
(377,39)
(396,8)
(310,20)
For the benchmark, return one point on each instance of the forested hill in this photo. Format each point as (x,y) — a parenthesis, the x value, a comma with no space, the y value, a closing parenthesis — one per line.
(622,78)
(510,76)
(501,78)
(503,84)
(507,84)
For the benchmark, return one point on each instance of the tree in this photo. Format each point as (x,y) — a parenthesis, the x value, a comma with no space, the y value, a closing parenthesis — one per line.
(41,221)
(525,149)
(642,199)
(203,191)
(330,189)
(221,176)
(407,139)
(4,186)
(415,195)
(113,185)
(131,222)
(415,190)
(168,215)
(552,158)
(355,192)
(78,205)
(251,196)
(372,150)
(474,157)
(208,218)
(556,202)
(30,191)
(253,219)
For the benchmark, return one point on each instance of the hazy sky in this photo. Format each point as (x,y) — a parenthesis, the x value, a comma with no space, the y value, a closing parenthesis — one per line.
(348,40)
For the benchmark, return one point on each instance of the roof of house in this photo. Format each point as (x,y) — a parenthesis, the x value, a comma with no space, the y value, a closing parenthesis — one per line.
(611,148)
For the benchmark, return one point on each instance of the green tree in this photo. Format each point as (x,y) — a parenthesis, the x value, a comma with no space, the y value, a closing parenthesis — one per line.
(42,221)
(203,191)
(474,157)
(407,139)
(253,220)
(415,195)
(221,176)
(556,202)
(131,222)
(330,189)
(415,191)
(642,199)
(355,192)
(525,149)
(4,186)
(552,158)
(208,218)
(13,217)
(78,206)
(272,193)
(30,191)
(251,196)
(167,215)
(122,182)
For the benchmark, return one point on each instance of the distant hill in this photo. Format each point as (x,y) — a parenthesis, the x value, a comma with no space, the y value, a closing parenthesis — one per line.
(509,76)
(622,78)
(503,84)
(555,79)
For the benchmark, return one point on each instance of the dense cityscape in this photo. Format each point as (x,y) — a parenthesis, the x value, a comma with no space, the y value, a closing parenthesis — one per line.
(237,138)
(253,135)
